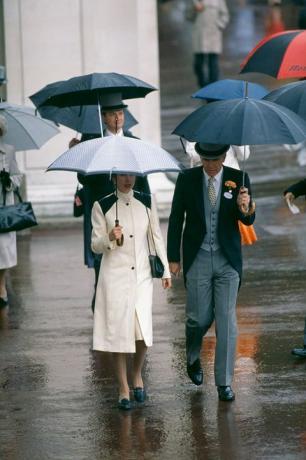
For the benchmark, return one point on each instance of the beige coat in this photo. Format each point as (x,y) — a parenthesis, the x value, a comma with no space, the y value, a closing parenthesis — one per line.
(208,27)
(8,250)
(125,285)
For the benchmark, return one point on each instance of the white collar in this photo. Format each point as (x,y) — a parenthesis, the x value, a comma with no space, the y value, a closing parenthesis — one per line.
(109,133)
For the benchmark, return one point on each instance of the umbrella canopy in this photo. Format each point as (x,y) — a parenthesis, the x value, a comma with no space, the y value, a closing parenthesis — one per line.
(84,119)
(292,96)
(26,130)
(85,89)
(243,122)
(230,89)
(281,55)
(115,154)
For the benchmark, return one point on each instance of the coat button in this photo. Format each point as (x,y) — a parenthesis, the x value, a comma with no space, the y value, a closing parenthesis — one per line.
(131,236)
(132,268)
(127,204)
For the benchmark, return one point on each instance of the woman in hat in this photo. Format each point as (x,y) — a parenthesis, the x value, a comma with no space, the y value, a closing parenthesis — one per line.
(10,180)
(123,306)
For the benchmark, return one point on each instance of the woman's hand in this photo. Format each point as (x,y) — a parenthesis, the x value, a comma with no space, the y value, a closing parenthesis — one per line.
(289,197)
(115,233)
(166,283)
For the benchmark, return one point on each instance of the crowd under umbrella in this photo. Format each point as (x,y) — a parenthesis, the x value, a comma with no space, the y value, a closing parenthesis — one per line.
(243,121)
(26,130)
(83,119)
(88,89)
(230,89)
(116,155)
(292,96)
(281,55)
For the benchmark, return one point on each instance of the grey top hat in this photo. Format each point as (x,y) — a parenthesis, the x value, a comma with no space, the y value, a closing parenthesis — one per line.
(112,101)
(211,151)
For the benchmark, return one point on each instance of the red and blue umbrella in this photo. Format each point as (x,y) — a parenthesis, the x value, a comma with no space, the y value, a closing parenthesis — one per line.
(281,55)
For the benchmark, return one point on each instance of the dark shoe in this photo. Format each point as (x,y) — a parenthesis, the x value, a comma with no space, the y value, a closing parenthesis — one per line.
(124,404)
(3,302)
(226,393)
(139,394)
(195,372)
(301,352)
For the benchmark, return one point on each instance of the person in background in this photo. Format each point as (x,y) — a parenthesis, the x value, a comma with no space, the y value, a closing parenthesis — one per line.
(211,18)
(10,180)
(123,305)
(274,21)
(207,205)
(98,185)
(292,192)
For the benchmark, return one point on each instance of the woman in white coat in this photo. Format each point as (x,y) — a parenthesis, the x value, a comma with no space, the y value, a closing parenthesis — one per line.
(123,306)
(10,180)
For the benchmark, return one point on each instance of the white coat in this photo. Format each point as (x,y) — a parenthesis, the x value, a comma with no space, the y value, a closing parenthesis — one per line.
(8,249)
(125,284)
(208,27)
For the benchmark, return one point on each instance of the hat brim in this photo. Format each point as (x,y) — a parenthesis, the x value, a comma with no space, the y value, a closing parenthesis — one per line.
(211,155)
(112,108)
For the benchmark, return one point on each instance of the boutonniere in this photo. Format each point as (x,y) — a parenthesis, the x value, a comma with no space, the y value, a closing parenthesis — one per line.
(231,185)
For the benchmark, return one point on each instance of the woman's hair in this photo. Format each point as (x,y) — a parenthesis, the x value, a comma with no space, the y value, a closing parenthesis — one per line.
(3,125)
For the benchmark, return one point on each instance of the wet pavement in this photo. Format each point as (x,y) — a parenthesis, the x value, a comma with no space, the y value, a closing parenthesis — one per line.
(58,398)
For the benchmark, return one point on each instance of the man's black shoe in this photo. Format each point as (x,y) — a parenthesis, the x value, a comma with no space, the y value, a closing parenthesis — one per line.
(226,393)
(195,372)
(301,352)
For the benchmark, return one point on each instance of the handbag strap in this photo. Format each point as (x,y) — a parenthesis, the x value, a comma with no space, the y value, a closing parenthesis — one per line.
(4,192)
(151,234)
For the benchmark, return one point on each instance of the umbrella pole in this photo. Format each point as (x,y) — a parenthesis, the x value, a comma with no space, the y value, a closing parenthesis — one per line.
(119,242)
(100,117)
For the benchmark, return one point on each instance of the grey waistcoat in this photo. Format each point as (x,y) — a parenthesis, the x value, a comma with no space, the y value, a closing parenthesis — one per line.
(211,242)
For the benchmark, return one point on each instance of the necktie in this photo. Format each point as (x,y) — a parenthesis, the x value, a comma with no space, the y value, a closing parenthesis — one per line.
(212,191)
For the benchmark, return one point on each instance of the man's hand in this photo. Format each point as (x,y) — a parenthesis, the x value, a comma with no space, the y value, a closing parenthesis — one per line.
(5,179)
(74,141)
(175,268)
(243,201)
(115,233)
(289,197)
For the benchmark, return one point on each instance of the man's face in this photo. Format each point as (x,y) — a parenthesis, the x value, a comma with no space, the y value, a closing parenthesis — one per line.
(114,121)
(212,167)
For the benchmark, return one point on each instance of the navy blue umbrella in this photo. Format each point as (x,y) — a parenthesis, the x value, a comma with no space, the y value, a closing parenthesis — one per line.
(230,89)
(292,96)
(243,122)
(86,89)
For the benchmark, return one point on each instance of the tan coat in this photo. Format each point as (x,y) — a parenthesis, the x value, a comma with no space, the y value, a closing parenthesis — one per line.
(208,27)
(125,285)
(8,250)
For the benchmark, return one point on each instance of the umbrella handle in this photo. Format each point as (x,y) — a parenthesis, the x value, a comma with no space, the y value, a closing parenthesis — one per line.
(119,242)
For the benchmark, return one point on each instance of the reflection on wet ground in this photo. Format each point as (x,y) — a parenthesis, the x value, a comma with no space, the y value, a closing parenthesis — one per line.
(58,399)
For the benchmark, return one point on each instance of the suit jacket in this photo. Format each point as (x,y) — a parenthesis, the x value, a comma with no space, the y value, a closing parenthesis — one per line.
(297,189)
(188,208)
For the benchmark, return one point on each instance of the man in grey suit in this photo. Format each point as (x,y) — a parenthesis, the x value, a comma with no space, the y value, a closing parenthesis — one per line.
(208,203)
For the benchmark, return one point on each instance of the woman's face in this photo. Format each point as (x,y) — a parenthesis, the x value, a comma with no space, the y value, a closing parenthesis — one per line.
(125,183)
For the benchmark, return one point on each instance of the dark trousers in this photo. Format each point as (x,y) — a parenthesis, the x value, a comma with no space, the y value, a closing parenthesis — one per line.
(206,68)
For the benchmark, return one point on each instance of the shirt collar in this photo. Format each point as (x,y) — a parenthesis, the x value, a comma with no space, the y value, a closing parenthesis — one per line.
(217,177)
(109,133)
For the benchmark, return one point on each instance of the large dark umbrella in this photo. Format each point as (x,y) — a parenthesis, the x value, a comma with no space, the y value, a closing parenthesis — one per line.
(230,89)
(86,89)
(292,96)
(243,122)
(281,55)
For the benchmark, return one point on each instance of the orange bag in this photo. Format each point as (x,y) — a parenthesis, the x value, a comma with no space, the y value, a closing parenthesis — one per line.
(247,232)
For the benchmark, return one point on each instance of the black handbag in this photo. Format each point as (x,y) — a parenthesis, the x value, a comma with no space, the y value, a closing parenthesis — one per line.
(157,267)
(78,209)
(17,216)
